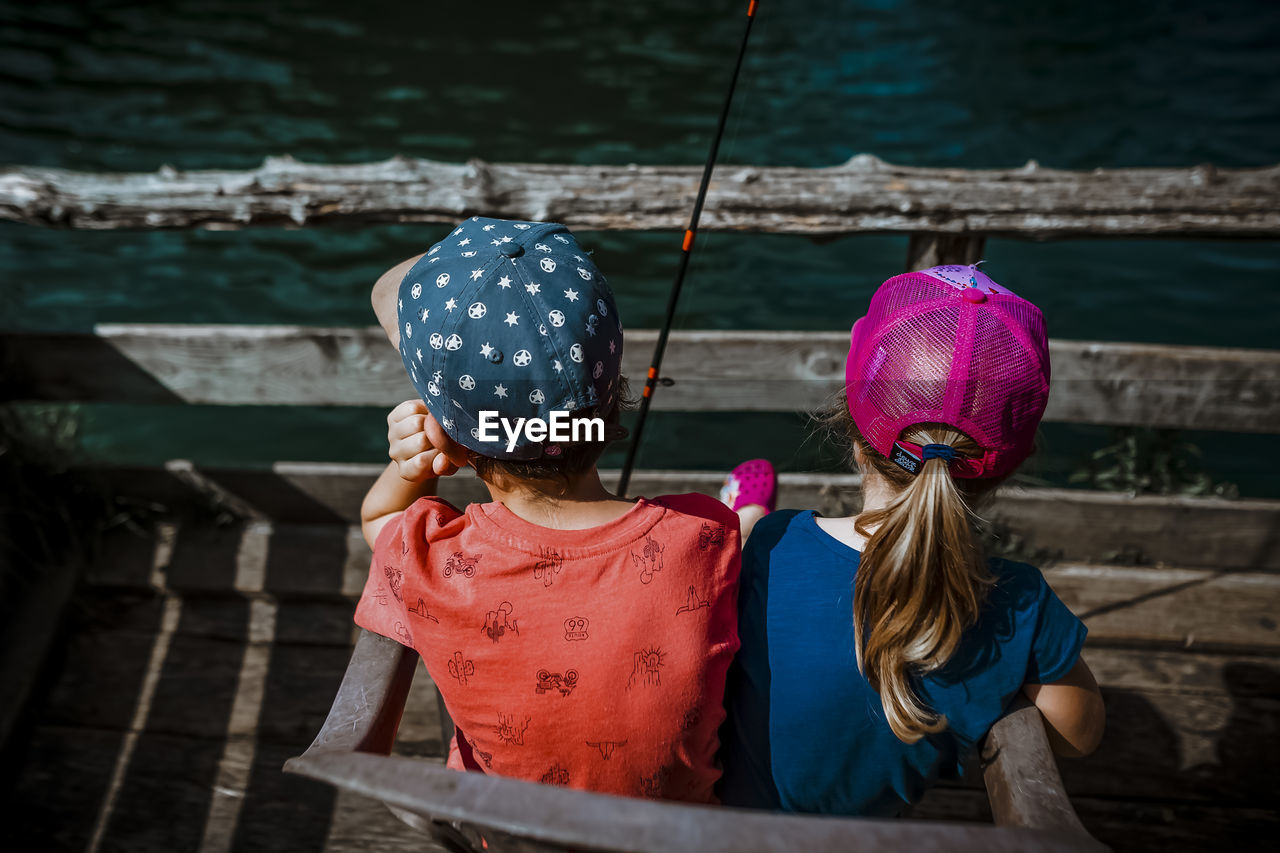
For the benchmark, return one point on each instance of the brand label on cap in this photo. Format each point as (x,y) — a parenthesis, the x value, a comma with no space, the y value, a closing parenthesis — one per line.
(905,459)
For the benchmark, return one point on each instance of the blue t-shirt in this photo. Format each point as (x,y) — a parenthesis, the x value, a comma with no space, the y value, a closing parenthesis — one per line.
(805,731)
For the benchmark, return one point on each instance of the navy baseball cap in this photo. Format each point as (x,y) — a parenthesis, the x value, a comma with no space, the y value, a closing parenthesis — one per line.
(512,318)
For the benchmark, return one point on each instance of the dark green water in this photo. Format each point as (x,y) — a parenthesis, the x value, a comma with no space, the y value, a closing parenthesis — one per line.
(121,86)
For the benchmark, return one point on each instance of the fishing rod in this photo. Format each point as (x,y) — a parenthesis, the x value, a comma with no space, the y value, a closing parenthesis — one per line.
(686,249)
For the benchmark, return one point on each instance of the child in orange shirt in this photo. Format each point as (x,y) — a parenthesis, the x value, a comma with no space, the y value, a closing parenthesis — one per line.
(577,638)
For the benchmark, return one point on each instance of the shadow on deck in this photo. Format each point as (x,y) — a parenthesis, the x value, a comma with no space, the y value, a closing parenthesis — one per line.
(194,664)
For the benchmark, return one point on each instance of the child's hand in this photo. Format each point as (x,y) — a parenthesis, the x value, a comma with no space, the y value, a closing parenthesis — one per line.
(418,445)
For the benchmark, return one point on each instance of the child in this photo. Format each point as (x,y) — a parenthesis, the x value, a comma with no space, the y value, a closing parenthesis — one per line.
(878,649)
(577,638)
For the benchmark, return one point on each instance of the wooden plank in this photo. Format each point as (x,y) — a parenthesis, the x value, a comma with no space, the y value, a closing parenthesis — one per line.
(864,194)
(240,743)
(1093,382)
(1188,607)
(361,823)
(1021,774)
(561,818)
(1185,726)
(1145,530)
(158,659)
(1130,824)
(930,249)
(1040,525)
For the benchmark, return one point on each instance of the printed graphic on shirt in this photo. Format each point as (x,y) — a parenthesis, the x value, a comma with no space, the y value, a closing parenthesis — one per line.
(395,578)
(498,622)
(461,668)
(646,667)
(692,717)
(461,565)
(557,775)
(403,633)
(575,628)
(380,595)
(606,747)
(511,728)
(486,758)
(655,783)
(548,566)
(694,602)
(420,610)
(649,560)
(710,537)
(551,681)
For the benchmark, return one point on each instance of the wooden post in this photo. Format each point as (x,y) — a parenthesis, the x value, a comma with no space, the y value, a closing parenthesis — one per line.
(929,249)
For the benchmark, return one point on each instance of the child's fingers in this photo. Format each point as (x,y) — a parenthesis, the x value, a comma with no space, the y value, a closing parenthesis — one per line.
(443,466)
(406,409)
(427,463)
(416,467)
(440,439)
(408,447)
(411,425)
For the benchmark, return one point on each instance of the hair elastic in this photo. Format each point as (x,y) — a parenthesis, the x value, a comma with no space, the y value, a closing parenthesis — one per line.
(939,451)
(911,457)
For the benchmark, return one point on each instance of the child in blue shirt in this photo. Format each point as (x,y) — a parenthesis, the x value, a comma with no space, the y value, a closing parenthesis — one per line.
(878,649)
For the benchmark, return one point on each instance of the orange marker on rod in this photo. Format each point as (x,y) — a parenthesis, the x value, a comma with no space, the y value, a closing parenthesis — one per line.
(651,381)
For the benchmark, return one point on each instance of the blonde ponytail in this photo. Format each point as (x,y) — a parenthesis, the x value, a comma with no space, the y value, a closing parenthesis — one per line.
(922,578)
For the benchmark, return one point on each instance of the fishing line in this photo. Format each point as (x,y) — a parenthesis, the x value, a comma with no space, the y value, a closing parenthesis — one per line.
(651,380)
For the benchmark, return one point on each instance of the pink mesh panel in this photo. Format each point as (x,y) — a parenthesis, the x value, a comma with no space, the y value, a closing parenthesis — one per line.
(905,373)
(924,353)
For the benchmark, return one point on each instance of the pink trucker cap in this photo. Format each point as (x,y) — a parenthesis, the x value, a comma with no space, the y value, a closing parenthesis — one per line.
(949,345)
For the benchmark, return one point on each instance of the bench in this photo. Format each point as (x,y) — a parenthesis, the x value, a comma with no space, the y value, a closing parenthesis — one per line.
(475,812)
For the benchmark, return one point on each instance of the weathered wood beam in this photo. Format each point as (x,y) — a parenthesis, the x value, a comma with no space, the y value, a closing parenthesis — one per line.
(930,249)
(1097,383)
(1021,775)
(508,810)
(865,194)
(1072,525)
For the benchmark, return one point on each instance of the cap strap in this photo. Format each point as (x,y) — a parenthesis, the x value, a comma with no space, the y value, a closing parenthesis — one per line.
(911,458)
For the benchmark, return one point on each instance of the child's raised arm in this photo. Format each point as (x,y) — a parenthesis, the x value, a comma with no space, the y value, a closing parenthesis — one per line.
(420,452)
(1073,712)
(385,293)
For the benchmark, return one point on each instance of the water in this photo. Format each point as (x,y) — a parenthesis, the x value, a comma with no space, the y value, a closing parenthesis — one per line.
(223,84)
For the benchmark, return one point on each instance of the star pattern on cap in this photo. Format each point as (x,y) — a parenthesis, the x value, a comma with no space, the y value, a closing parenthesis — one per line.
(497,344)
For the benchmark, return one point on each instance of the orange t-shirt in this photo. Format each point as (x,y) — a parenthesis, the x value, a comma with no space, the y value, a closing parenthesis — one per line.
(589,658)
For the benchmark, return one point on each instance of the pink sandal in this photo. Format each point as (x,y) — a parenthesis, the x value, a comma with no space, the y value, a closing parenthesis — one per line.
(752,482)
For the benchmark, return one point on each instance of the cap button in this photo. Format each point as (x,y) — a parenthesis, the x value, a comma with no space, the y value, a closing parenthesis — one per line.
(974,295)
(511,250)
(495,357)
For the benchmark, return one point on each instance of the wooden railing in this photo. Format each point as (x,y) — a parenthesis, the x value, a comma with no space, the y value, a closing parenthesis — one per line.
(1093,382)
(863,195)
(1098,383)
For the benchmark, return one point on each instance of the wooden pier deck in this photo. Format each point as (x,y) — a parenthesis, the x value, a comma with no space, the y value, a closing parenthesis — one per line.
(193,662)
(197,661)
